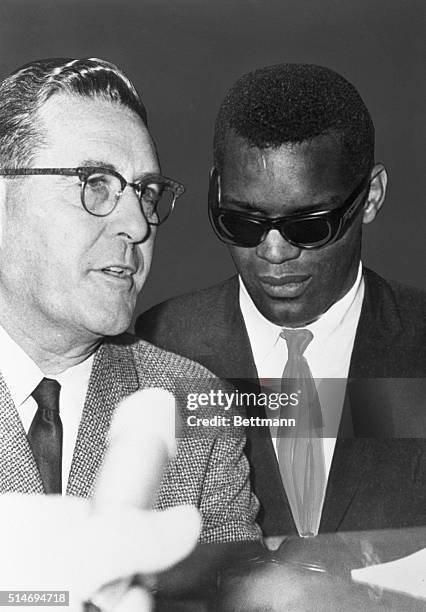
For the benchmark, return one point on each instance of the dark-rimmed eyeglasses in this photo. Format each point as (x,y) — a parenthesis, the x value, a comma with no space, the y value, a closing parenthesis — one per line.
(101,189)
(306,230)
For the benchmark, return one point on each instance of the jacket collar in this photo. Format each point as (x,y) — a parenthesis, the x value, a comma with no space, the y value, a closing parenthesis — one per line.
(18,469)
(226,346)
(379,325)
(113,377)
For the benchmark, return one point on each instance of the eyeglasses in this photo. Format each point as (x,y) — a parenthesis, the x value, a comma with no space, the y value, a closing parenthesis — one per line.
(101,188)
(310,230)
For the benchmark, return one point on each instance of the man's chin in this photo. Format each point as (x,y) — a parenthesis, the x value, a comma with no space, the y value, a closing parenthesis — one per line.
(287,313)
(112,325)
(118,328)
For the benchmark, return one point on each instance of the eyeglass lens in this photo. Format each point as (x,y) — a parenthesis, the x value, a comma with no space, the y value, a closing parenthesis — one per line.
(309,232)
(102,191)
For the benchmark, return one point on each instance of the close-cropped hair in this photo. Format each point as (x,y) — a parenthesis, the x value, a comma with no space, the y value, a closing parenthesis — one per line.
(26,89)
(293,103)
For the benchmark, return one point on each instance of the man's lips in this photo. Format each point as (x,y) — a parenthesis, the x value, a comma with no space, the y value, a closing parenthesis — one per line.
(285,279)
(285,286)
(118,272)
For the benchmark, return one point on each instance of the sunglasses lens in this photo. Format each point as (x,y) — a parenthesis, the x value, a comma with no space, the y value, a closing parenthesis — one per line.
(309,233)
(238,231)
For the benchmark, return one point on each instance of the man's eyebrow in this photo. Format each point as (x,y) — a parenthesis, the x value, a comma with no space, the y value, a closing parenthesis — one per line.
(240,203)
(98,163)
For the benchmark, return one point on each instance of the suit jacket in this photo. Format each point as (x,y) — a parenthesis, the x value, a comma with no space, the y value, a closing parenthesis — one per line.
(377,478)
(210,472)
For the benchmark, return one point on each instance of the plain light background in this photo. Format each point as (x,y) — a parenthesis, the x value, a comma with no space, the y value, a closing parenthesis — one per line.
(184,54)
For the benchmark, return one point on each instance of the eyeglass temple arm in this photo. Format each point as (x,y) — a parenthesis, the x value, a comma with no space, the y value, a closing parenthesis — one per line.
(356,203)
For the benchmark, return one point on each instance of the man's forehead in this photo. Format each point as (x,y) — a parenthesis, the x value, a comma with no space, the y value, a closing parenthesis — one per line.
(76,105)
(92,128)
(322,154)
(239,152)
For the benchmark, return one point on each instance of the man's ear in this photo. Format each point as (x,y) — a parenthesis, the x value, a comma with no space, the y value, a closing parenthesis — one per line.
(376,194)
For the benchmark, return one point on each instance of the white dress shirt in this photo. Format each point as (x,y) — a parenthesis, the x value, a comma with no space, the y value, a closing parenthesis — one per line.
(22,376)
(328,354)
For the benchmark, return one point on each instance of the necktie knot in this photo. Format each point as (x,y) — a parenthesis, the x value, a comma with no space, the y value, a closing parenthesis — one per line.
(46,394)
(297,340)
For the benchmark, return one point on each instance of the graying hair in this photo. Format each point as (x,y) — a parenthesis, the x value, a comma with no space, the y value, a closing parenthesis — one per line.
(26,89)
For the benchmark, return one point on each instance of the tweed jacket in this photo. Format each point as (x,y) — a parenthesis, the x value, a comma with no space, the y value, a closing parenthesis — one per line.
(210,472)
(377,478)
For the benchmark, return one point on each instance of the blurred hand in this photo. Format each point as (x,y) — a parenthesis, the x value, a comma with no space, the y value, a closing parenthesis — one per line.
(53,543)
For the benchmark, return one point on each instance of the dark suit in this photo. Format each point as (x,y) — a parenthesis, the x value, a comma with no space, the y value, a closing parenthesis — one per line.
(208,472)
(378,474)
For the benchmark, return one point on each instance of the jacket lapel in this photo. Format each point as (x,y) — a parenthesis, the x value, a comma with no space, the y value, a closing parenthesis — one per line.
(354,450)
(225,346)
(275,515)
(351,459)
(378,331)
(113,377)
(18,469)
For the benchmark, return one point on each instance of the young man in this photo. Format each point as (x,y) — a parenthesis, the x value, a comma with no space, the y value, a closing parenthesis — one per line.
(294,181)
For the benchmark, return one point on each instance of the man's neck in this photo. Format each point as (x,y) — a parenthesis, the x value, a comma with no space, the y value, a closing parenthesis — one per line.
(54,351)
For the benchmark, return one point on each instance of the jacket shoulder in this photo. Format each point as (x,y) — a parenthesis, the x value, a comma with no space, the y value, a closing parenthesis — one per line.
(158,362)
(406,303)
(179,321)
(391,335)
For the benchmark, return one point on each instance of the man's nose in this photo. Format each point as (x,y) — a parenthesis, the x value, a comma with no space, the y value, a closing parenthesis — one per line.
(128,218)
(275,249)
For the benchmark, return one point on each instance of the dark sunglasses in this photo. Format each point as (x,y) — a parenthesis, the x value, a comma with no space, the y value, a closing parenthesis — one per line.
(310,230)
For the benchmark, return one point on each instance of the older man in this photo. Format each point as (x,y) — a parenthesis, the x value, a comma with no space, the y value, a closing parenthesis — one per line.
(293,182)
(81,196)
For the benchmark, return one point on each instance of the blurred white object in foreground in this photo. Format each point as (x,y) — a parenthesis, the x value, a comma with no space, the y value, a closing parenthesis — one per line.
(54,543)
(406,575)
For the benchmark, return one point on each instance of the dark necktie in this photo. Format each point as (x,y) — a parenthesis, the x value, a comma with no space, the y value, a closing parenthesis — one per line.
(300,449)
(45,435)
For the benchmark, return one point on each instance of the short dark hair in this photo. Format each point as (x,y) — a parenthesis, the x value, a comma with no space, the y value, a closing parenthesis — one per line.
(293,103)
(26,89)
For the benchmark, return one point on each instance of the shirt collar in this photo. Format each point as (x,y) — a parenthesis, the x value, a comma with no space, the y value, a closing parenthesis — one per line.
(335,316)
(79,373)
(264,335)
(22,375)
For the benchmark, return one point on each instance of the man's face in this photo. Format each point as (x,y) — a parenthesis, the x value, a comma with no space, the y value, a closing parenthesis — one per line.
(291,286)
(60,267)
